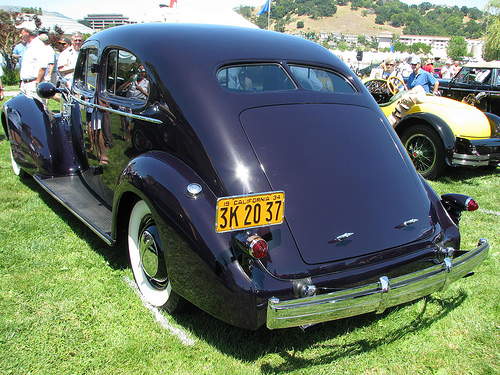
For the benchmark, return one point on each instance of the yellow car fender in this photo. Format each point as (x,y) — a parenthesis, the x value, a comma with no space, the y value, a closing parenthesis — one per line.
(463,119)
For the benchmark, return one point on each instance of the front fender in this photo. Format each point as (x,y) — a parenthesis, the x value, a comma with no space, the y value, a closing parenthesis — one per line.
(39,139)
(437,123)
(200,263)
(494,121)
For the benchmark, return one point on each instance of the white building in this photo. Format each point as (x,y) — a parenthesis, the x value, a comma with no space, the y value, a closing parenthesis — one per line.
(440,43)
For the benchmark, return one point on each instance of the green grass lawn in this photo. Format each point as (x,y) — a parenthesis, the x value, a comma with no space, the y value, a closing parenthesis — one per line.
(66,307)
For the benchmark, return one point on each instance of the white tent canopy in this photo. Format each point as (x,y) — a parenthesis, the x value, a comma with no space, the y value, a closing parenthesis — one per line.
(197,11)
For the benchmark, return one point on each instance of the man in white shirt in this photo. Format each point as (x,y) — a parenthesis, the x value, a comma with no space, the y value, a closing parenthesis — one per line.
(36,60)
(67,59)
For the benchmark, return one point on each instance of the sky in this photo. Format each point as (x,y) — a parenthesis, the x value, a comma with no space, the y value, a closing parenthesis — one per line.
(78,9)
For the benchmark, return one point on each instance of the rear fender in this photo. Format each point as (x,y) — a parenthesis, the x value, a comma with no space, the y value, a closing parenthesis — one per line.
(436,123)
(200,263)
(39,139)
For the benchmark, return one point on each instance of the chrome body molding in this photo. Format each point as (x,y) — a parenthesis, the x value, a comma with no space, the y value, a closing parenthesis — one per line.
(116,111)
(374,297)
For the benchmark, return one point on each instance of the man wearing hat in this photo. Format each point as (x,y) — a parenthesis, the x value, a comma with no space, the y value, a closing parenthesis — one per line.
(36,60)
(446,70)
(67,59)
(420,77)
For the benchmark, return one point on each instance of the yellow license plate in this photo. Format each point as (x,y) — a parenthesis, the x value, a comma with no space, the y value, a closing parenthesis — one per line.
(249,211)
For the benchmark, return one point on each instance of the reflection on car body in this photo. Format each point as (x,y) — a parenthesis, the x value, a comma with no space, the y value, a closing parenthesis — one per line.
(243,187)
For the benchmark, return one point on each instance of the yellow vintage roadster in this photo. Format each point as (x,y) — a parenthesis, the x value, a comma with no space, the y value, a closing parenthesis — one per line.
(437,131)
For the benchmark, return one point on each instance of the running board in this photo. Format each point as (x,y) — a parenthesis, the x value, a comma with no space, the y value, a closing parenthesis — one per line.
(73,194)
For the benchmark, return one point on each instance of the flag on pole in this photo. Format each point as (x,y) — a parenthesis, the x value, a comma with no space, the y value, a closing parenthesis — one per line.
(265,7)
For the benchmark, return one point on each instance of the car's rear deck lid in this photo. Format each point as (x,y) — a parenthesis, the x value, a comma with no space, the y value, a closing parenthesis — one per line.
(349,190)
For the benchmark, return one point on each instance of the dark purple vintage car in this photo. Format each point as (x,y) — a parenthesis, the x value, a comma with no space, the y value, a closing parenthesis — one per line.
(251,172)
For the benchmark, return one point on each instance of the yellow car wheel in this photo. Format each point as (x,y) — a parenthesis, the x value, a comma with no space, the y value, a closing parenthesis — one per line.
(425,149)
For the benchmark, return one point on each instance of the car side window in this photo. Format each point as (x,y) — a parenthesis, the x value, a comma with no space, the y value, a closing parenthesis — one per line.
(86,75)
(126,76)
(316,79)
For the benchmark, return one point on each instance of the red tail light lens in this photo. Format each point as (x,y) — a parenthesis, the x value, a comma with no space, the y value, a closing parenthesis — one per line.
(471,205)
(258,247)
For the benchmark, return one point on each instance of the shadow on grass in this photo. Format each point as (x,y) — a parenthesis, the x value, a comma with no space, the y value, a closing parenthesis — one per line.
(326,340)
(252,345)
(467,175)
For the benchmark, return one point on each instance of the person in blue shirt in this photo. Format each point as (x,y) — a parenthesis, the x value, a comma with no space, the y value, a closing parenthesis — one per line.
(421,77)
(18,51)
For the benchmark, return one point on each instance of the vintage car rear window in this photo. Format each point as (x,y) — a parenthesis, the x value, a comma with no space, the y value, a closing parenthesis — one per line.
(273,77)
(255,78)
(316,79)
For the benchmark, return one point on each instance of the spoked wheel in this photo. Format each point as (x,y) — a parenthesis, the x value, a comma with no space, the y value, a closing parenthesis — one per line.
(147,260)
(396,85)
(426,150)
(377,85)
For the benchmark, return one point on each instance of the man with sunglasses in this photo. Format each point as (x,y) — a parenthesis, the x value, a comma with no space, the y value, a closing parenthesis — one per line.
(420,77)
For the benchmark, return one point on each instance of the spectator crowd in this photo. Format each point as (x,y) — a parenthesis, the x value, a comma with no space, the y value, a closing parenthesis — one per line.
(39,62)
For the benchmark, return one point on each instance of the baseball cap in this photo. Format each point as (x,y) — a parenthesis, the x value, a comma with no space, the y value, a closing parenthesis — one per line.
(28,25)
(415,60)
(44,38)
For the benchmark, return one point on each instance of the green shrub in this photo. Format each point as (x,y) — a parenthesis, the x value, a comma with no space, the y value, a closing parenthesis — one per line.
(11,78)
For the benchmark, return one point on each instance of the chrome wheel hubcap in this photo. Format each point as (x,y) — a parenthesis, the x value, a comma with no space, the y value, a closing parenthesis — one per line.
(152,257)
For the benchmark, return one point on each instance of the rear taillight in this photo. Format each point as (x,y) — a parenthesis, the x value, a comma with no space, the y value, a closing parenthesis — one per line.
(252,244)
(455,204)
(471,205)
(257,247)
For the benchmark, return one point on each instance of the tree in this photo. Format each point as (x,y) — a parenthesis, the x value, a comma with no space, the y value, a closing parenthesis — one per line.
(420,48)
(424,7)
(457,48)
(400,47)
(491,49)
(245,11)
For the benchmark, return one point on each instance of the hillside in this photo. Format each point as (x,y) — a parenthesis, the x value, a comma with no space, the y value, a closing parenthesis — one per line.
(344,21)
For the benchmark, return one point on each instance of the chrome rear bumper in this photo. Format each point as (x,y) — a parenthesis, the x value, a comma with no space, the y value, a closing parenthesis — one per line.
(374,297)
(471,160)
